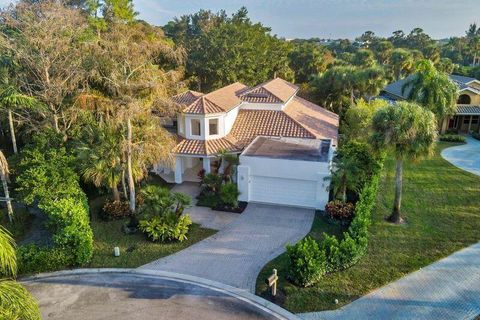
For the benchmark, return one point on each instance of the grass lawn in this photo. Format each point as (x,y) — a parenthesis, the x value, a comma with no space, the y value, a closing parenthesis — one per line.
(135,250)
(441,205)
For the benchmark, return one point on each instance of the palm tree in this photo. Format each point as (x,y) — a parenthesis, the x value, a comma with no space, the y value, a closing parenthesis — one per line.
(345,176)
(401,62)
(15,301)
(10,101)
(4,171)
(432,89)
(409,131)
(101,157)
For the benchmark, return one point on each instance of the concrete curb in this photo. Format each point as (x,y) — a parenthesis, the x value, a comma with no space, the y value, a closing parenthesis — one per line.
(240,294)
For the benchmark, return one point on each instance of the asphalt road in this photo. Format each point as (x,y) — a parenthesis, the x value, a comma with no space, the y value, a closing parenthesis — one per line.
(133,296)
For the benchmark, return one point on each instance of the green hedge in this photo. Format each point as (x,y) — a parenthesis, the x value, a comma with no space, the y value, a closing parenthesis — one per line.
(452,138)
(306,268)
(45,176)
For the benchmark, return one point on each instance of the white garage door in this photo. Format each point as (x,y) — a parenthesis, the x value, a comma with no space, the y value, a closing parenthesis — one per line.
(283,191)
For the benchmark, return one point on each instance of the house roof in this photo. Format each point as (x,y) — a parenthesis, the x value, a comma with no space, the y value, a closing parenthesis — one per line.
(272,91)
(252,123)
(218,101)
(322,123)
(289,148)
(394,89)
(468,110)
(205,147)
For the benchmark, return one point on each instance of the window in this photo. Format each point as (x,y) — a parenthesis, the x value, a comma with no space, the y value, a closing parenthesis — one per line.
(474,119)
(195,127)
(464,99)
(213,126)
(466,119)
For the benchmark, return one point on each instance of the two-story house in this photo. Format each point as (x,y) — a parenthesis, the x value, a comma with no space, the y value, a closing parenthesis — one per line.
(467,117)
(285,142)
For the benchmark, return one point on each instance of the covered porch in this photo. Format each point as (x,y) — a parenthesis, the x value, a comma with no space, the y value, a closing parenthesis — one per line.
(187,168)
(466,120)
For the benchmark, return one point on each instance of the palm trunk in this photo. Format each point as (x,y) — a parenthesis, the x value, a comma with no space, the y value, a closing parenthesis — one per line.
(124,185)
(396,217)
(115,193)
(131,185)
(12,131)
(55,123)
(7,196)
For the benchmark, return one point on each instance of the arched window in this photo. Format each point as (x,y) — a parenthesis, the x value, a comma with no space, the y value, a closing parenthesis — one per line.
(464,99)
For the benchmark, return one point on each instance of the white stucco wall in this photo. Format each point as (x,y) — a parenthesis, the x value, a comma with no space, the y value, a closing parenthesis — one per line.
(288,182)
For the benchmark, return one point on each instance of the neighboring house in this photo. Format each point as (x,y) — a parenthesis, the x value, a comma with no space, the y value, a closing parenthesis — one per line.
(287,141)
(467,118)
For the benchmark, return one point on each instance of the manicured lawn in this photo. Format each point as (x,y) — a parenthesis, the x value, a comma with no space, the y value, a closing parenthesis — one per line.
(135,249)
(441,204)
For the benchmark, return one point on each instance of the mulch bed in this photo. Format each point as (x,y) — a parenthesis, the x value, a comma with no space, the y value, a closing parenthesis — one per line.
(241,207)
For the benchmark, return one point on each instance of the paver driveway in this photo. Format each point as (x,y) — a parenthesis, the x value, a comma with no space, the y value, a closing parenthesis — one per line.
(236,254)
(466,156)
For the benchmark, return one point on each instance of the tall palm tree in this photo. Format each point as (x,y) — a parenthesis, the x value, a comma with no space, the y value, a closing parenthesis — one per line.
(4,172)
(432,89)
(409,131)
(401,62)
(15,301)
(12,100)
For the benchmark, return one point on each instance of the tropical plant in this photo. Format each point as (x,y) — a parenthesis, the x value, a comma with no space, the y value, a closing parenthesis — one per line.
(15,301)
(165,228)
(157,200)
(358,119)
(409,131)
(307,263)
(229,194)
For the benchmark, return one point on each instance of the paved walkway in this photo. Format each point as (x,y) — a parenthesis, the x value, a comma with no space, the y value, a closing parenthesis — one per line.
(236,254)
(447,289)
(206,217)
(121,294)
(465,156)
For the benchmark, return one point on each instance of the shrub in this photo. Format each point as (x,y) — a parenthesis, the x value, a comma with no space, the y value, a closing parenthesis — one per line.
(156,200)
(452,138)
(165,228)
(34,259)
(307,262)
(339,211)
(229,194)
(211,183)
(114,210)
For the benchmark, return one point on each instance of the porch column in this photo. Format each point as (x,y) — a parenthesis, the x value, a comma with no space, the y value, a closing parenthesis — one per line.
(206,165)
(178,170)
(469,124)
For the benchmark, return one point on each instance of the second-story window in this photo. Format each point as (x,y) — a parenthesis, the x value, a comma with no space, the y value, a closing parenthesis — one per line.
(195,124)
(213,126)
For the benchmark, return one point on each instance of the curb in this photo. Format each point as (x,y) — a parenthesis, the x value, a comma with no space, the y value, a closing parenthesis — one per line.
(240,294)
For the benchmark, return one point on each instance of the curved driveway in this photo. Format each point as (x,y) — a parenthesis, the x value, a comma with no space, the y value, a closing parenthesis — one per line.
(465,156)
(237,253)
(121,294)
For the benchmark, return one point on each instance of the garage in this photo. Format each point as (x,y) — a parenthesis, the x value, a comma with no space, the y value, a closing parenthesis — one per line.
(286,171)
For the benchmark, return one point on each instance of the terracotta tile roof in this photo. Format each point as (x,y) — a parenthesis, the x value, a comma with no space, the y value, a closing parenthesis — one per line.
(317,120)
(186,98)
(273,91)
(205,147)
(252,123)
(221,100)
(203,106)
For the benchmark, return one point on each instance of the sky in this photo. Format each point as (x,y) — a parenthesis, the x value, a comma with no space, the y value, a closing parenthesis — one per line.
(330,18)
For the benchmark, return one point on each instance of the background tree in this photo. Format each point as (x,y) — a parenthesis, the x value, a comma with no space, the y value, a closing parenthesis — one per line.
(401,62)
(358,119)
(47,40)
(307,59)
(407,130)
(15,301)
(4,172)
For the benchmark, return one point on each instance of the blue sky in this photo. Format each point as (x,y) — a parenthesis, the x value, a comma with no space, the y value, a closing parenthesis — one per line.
(330,18)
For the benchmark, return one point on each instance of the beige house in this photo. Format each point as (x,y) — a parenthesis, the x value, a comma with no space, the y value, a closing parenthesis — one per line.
(467,118)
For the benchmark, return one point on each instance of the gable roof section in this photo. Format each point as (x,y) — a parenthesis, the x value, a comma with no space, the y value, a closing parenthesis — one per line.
(273,91)
(186,98)
(218,101)
(252,123)
(322,123)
